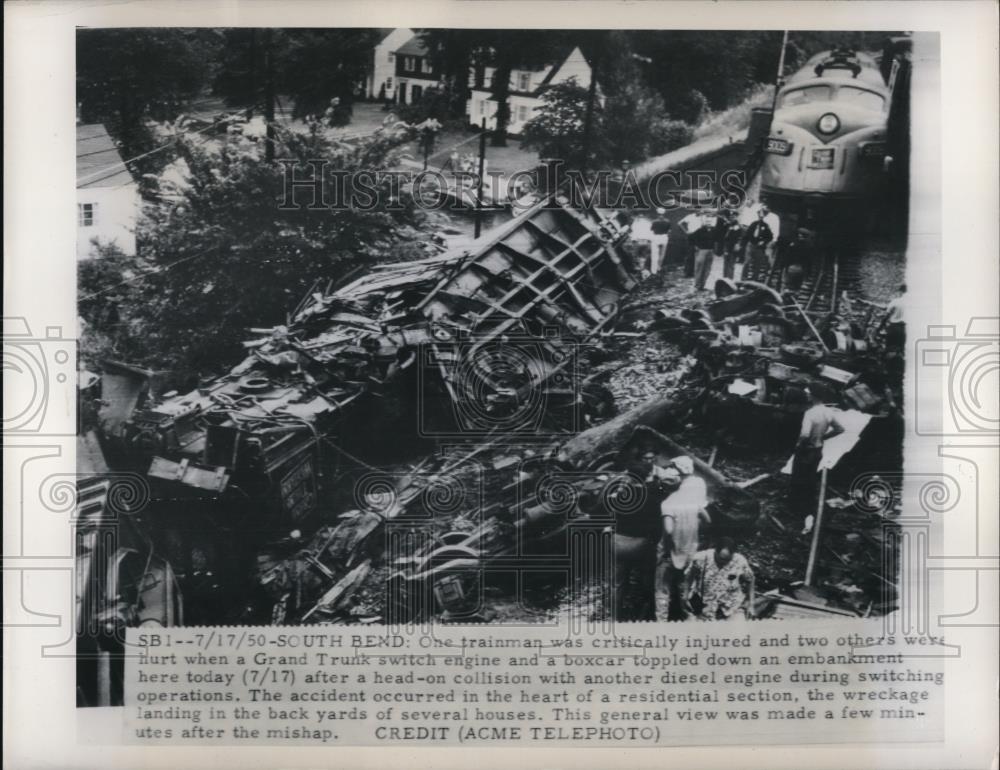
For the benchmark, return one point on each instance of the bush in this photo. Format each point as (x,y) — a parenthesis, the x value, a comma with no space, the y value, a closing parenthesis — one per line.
(670,135)
(691,107)
(434,104)
(228,256)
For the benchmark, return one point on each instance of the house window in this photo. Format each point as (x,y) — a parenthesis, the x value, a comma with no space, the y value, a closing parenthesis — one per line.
(425,66)
(392,57)
(524,82)
(388,83)
(482,107)
(86,214)
(409,63)
(522,113)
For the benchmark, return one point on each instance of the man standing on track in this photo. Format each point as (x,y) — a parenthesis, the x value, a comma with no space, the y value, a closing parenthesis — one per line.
(732,242)
(660,229)
(758,236)
(700,228)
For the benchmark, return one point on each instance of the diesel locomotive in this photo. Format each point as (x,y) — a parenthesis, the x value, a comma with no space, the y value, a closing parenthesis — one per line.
(827,146)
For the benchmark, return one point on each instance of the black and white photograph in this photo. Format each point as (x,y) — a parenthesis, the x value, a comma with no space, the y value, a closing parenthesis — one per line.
(489,326)
(562,384)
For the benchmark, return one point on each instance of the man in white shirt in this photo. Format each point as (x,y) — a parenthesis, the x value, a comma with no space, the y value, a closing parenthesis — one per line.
(819,423)
(892,322)
(660,236)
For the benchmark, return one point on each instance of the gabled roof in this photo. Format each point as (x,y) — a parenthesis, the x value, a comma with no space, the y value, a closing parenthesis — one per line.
(98,162)
(413,47)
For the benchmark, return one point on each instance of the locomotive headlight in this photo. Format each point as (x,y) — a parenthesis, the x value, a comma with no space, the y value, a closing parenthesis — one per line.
(828,123)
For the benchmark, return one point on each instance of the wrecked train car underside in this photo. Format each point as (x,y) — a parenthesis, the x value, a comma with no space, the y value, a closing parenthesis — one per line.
(489,330)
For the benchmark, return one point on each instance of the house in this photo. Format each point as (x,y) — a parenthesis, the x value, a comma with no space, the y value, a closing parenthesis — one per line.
(415,72)
(107,197)
(527,89)
(381,80)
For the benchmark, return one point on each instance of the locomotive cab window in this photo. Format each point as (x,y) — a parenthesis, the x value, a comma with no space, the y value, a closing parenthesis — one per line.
(805,95)
(860,97)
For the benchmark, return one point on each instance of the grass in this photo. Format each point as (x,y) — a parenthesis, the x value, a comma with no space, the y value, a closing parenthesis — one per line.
(735,119)
(503,159)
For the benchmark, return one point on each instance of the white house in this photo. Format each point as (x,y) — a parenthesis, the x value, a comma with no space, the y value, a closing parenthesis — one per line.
(527,87)
(107,197)
(381,83)
(415,72)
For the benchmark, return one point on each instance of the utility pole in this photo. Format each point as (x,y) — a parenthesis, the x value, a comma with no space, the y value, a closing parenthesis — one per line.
(253,73)
(780,77)
(269,96)
(588,119)
(479,183)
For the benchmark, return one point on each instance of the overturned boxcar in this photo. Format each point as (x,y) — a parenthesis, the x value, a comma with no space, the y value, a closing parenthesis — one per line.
(487,333)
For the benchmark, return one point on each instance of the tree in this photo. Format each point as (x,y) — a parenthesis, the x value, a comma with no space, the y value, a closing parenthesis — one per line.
(456,51)
(310,66)
(722,65)
(228,257)
(514,49)
(124,76)
(557,129)
(453,52)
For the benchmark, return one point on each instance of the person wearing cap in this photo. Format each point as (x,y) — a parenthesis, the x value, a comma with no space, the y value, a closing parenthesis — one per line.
(758,237)
(700,228)
(682,512)
(731,242)
(660,228)
(819,423)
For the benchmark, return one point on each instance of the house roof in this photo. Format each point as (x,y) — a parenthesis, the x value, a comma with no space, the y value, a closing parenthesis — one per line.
(552,69)
(413,47)
(98,162)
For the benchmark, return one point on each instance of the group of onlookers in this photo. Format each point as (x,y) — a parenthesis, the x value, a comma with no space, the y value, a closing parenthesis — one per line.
(749,237)
(660,547)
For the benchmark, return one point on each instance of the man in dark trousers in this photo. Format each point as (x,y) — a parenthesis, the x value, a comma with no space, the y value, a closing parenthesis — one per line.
(758,236)
(797,259)
(700,228)
(732,244)
(819,423)
(637,532)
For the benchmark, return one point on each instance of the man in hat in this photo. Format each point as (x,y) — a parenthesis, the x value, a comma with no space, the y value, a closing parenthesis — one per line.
(700,228)
(732,243)
(682,512)
(819,423)
(660,228)
(758,237)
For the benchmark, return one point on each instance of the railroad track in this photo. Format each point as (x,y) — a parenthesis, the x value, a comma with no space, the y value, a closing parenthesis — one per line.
(828,280)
